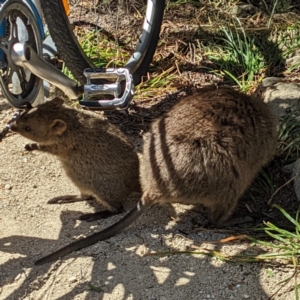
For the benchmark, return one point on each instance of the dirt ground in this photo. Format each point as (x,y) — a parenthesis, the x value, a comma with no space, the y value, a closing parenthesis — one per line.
(117,268)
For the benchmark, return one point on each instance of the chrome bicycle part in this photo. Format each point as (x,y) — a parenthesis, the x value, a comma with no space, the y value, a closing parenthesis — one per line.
(123,93)
(22,55)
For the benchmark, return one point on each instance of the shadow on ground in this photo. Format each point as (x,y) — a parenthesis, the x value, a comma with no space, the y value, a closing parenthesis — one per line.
(117,269)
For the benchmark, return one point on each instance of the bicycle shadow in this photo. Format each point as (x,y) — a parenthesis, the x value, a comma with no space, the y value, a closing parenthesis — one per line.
(170,278)
(118,269)
(25,250)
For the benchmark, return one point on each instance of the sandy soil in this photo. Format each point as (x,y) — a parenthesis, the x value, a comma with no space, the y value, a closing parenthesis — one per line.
(117,268)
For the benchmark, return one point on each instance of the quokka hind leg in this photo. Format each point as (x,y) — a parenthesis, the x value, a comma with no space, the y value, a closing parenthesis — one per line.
(147,199)
(113,207)
(221,215)
(99,215)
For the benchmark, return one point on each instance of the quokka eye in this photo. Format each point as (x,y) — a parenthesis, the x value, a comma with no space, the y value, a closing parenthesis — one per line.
(27,128)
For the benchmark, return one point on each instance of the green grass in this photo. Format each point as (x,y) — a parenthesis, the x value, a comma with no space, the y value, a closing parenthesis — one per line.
(264,182)
(158,83)
(289,135)
(101,51)
(237,58)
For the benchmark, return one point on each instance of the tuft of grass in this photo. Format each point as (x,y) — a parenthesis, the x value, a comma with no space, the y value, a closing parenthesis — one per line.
(238,58)
(288,39)
(101,51)
(157,82)
(289,135)
(263,182)
(67,72)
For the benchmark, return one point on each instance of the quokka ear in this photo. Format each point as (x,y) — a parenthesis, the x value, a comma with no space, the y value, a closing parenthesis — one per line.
(57,102)
(58,126)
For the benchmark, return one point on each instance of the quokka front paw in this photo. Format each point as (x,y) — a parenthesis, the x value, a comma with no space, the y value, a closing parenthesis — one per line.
(31,147)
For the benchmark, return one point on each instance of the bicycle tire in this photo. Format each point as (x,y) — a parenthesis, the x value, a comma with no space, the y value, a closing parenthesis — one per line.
(27,87)
(74,57)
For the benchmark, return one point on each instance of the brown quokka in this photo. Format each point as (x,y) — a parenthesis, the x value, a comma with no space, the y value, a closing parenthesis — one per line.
(206,150)
(95,154)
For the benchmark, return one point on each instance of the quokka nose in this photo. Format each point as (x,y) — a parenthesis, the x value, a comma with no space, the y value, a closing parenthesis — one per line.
(13,126)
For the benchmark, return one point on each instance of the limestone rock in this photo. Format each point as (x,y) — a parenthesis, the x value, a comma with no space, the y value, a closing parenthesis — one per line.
(282,96)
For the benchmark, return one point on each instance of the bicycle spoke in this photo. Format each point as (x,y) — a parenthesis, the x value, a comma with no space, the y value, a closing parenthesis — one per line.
(14,28)
(4,45)
(21,75)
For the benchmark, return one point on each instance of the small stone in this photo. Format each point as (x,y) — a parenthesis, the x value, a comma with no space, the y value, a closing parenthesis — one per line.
(18,277)
(34,186)
(295,60)
(35,285)
(296,170)
(8,187)
(282,96)
(243,11)
(269,81)
(288,168)
(246,296)
(72,279)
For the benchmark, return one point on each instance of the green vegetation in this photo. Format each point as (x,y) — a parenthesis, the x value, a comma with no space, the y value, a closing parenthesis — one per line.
(289,136)
(238,58)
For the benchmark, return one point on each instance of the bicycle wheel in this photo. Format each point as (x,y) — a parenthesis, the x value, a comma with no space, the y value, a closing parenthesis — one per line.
(18,85)
(109,33)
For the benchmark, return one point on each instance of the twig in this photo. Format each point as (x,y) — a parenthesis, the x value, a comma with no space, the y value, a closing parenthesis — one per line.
(95,288)
(226,240)
(270,200)
(293,275)
(177,67)
(227,230)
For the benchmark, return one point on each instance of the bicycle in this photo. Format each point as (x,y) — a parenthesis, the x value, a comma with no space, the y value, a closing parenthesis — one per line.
(21,59)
